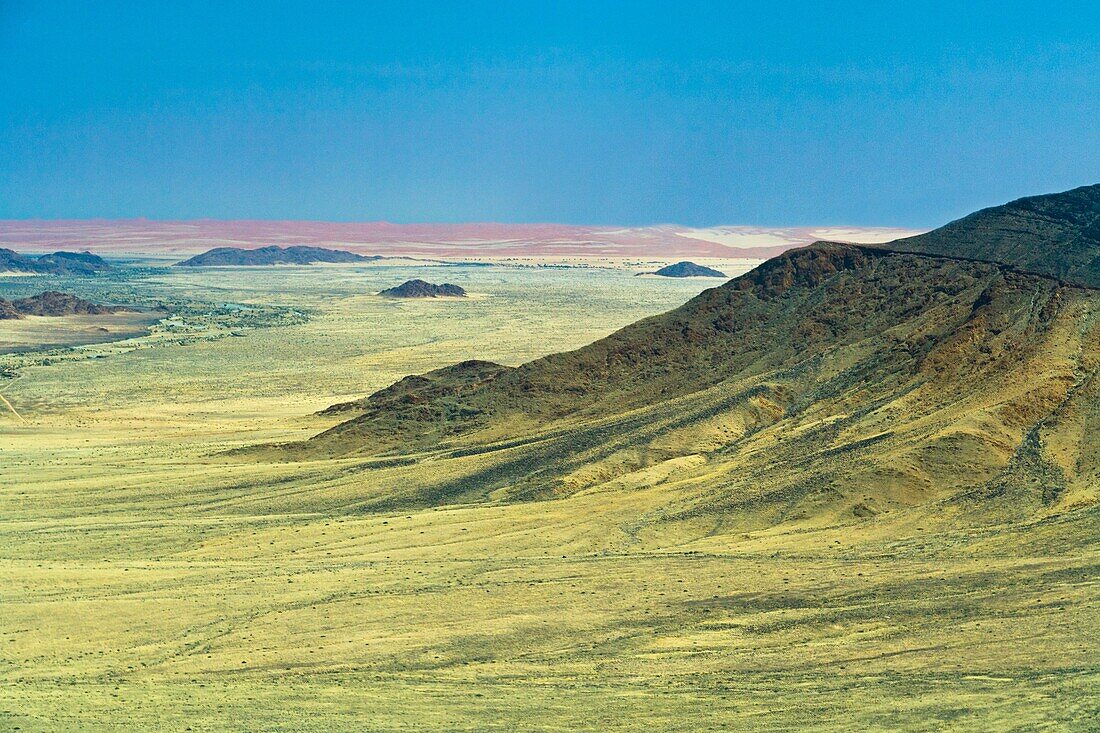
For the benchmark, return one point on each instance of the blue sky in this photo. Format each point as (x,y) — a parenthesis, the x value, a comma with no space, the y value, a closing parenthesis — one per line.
(885,113)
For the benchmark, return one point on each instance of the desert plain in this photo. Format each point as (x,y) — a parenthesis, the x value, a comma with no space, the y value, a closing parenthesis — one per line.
(155,577)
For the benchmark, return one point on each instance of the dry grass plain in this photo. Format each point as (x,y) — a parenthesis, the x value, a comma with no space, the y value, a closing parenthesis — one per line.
(149,583)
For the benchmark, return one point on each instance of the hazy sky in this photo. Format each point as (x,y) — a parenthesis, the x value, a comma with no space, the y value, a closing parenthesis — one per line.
(893,113)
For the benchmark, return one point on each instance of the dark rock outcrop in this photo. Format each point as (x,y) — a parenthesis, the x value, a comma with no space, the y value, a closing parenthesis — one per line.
(423,289)
(688,269)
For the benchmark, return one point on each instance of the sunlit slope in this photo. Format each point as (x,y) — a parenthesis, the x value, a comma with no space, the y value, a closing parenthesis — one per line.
(831,381)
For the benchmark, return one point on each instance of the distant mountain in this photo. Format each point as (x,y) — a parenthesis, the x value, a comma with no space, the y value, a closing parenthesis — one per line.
(422,289)
(831,383)
(1054,234)
(72,263)
(273,255)
(58,263)
(689,269)
(51,303)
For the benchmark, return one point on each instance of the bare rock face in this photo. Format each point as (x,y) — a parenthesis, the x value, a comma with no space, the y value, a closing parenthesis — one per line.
(422,289)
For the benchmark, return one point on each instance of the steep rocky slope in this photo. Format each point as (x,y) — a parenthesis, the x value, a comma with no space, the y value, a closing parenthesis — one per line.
(832,381)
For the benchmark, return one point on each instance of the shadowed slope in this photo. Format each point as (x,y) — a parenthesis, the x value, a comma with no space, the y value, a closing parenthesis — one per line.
(1054,234)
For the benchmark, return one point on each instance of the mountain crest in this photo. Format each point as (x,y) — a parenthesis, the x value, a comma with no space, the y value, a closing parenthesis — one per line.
(1053,234)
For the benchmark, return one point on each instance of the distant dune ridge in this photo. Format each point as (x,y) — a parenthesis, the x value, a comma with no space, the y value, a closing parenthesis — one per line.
(833,381)
(423,289)
(57,263)
(271,255)
(141,236)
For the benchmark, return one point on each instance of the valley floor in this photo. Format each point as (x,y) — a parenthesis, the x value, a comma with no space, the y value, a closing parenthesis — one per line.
(149,583)
(523,618)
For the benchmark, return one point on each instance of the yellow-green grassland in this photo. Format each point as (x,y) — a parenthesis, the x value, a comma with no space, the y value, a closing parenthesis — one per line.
(161,572)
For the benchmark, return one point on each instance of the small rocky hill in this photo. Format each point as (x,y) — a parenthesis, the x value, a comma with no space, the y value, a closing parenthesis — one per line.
(688,269)
(423,289)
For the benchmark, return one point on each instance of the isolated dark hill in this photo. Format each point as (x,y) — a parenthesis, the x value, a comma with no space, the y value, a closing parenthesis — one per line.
(58,263)
(72,263)
(1054,234)
(273,255)
(423,289)
(52,303)
(689,269)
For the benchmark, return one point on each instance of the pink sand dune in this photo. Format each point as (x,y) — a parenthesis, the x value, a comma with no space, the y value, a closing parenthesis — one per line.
(143,236)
